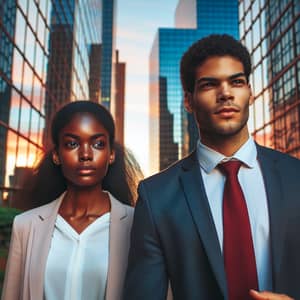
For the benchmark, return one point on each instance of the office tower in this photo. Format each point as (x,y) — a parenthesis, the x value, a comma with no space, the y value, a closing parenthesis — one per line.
(7,28)
(108,52)
(194,19)
(271,32)
(44,62)
(95,73)
(118,102)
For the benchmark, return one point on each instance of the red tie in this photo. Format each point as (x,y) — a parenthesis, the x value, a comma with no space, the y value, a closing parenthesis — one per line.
(239,257)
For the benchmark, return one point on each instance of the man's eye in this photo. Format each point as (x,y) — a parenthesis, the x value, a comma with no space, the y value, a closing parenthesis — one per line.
(99,144)
(206,85)
(238,82)
(71,144)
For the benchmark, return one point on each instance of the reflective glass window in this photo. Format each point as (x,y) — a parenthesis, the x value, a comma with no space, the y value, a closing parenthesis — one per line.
(14,110)
(32,13)
(23,5)
(20,30)
(17,71)
(34,128)
(22,152)
(36,93)
(10,155)
(27,81)
(30,46)
(25,118)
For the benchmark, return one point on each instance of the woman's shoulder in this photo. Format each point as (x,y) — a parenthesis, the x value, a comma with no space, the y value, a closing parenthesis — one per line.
(39,212)
(117,205)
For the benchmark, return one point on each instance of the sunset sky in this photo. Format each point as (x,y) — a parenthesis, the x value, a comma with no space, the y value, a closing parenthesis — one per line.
(137,24)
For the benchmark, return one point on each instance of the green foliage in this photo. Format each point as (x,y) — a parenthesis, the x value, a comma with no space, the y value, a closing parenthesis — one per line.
(6,219)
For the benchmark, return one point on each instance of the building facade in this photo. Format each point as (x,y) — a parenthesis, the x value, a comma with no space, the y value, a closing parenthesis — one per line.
(45,62)
(118,104)
(108,57)
(271,32)
(194,19)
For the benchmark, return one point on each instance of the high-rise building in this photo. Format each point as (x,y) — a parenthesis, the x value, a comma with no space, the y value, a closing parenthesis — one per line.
(271,32)
(7,28)
(194,19)
(118,103)
(95,73)
(45,62)
(108,66)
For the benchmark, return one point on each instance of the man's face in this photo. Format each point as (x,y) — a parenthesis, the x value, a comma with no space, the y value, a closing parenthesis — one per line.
(220,100)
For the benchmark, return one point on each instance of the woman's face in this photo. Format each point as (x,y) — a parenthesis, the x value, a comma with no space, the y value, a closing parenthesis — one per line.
(84,152)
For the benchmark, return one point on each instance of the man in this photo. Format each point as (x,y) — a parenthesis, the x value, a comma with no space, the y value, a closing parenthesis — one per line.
(214,233)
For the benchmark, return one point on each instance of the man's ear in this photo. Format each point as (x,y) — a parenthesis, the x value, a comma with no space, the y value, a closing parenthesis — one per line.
(55,158)
(251,99)
(188,102)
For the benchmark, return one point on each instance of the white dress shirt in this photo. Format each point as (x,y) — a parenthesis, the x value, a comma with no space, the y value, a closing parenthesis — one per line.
(252,183)
(77,264)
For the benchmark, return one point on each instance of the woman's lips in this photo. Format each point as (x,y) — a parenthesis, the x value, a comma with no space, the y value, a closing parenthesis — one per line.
(86,170)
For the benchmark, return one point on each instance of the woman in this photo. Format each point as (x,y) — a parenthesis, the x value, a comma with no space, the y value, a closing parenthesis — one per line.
(76,246)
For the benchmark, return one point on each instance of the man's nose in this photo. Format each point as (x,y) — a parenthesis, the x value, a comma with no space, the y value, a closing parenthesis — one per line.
(85,153)
(224,92)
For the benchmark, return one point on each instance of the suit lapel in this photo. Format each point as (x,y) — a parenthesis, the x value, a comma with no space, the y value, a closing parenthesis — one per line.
(275,203)
(40,239)
(118,248)
(195,195)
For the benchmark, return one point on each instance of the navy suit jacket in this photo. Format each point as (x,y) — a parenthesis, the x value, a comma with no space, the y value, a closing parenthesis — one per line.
(174,238)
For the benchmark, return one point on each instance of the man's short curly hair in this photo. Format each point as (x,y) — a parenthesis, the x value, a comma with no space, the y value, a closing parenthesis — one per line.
(212,45)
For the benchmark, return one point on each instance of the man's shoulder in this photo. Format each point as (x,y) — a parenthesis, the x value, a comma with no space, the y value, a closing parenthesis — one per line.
(277,156)
(285,164)
(172,172)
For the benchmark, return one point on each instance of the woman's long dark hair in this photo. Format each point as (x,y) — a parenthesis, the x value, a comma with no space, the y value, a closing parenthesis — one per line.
(121,180)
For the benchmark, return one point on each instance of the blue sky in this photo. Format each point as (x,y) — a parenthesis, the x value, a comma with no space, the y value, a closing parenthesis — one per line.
(137,24)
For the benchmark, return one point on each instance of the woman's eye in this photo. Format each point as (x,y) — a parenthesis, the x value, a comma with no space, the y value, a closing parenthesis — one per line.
(99,144)
(71,144)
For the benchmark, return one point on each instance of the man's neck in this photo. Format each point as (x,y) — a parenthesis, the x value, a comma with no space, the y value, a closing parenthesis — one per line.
(226,146)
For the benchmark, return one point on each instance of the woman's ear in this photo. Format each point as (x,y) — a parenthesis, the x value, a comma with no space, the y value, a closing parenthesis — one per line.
(55,158)
(188,102)
(112,157)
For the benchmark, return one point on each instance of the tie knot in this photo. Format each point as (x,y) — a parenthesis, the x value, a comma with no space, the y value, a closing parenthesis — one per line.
(230,168)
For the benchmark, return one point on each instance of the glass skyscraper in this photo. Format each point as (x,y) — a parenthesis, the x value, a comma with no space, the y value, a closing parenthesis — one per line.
(45,57)
(172,131)
(108,58)
(271,32)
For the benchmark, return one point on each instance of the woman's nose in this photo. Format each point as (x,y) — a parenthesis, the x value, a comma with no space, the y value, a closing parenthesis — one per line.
(85,153)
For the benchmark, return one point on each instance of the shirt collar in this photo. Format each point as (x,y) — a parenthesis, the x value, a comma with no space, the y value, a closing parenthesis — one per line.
(209,158)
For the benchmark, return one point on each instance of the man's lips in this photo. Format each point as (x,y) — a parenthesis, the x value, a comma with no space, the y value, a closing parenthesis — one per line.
(227,112)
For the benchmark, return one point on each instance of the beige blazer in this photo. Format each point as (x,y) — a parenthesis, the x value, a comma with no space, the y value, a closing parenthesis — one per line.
(31,240)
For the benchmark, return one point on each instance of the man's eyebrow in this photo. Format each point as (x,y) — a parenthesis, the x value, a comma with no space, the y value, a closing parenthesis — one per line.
(241,74)
(213,79)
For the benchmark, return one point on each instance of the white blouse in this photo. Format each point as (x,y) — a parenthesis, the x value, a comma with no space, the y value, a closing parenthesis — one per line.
(77,264)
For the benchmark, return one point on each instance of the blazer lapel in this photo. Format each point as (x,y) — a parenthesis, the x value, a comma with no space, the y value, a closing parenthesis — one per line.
(40,239)
(274,195)
(120,225)
(197,201)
